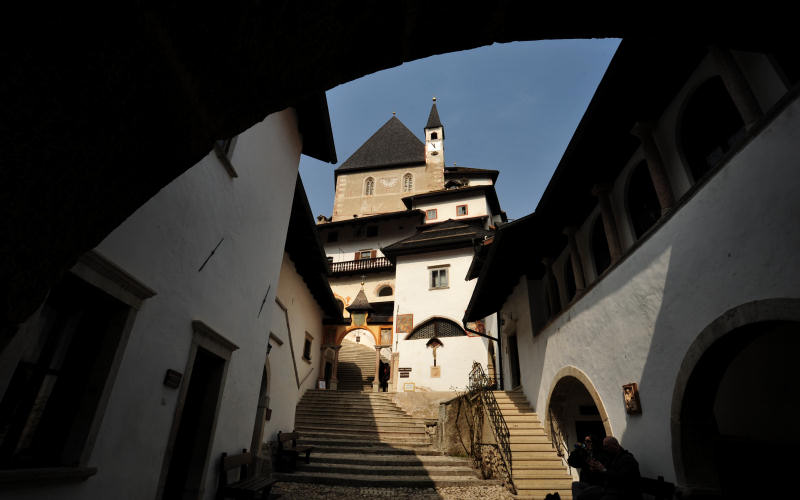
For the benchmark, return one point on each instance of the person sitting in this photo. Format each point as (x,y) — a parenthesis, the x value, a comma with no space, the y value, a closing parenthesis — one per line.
(620,474)
(579,459)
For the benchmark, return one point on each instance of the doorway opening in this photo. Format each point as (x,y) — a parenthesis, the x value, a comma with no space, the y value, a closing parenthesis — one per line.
(193,439)
(513,355)
(737,412)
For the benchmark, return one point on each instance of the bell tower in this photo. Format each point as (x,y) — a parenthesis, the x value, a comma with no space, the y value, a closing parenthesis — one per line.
(434,150)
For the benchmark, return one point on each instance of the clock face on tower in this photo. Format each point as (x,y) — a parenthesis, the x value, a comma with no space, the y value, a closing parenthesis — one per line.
(434,147)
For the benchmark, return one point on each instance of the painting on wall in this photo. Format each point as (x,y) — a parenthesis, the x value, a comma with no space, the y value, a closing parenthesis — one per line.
(631,394)
(478,326)
(405,323)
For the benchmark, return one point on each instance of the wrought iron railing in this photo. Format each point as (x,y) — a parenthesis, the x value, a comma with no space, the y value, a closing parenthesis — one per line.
(481,384)
(354,266)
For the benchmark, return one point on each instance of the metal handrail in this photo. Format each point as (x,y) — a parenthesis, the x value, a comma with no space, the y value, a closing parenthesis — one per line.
(480,383)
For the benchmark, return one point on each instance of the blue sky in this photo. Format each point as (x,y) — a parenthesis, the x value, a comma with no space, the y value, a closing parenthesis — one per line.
(509,107)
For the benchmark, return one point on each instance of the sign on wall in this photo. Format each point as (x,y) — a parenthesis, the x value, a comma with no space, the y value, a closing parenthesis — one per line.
(405,323)
(409,387)
(404,372)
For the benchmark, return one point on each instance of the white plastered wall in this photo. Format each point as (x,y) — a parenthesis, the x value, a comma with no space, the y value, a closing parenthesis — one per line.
(304,315)
(413,296)
(446,209)
(162,245)
(734,241)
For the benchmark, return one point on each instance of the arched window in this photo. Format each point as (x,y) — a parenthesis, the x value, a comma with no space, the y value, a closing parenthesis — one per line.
(408,183)
(643,205)
(369,186)
(569,279)
(600,252)
(709,127)
(434,135)
(436,327)
(385,291)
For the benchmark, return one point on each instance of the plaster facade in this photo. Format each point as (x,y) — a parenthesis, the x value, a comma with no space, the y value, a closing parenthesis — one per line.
(209,246)
(350,197)
(730,242)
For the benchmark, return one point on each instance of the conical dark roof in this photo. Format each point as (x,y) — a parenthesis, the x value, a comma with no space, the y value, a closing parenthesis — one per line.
(392,145)
(360,303)
(433,118)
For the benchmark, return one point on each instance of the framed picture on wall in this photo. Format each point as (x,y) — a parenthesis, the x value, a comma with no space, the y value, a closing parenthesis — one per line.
(405,323)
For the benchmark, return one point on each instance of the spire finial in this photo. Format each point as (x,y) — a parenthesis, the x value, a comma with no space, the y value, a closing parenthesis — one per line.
(393,113)
(363,279)
(434,98)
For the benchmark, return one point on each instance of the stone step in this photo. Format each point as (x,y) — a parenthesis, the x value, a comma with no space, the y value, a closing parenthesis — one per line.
(536,438)
(363,424)
(350,446)
(521,418)
(363,480)
(534,455)
(388,470)
(376,458)
(516,411)
(549,464)
(541,474)
(359,418)
(525,447)
(367,405)
(525,428)
(346,412)
(309,429)
(539,494)
(544,483)
(380,448)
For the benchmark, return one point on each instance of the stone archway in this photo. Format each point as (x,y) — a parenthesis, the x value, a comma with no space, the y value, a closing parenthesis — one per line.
(574,409)
(732,417)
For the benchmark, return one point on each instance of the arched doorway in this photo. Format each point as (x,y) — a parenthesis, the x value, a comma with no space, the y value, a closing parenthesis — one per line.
(574,410)
(736,408)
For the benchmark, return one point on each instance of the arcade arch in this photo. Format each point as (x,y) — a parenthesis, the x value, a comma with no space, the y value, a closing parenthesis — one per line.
(574,409)
(732,414)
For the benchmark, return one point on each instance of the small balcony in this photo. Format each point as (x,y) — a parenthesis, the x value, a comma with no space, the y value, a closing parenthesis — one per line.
(378,264)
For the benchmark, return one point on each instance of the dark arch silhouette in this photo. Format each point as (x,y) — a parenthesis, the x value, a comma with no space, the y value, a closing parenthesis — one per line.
(125,117)
(436,328)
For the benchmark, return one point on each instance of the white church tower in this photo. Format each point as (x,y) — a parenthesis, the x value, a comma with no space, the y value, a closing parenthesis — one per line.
(434,149)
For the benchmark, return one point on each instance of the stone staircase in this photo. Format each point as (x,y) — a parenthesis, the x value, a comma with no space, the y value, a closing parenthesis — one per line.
(536,468)
(356,367)
(365,440)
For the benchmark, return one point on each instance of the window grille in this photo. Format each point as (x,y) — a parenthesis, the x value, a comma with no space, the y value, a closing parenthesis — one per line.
(408,182)
(369,186)
(437,328)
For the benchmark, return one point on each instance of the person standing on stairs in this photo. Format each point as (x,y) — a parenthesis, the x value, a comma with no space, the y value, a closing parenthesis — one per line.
(383,376)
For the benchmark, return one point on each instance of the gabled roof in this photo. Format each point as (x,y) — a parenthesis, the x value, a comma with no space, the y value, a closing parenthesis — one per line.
(442,236)
(360,303)
(433,119)
(487,189)
(393,145)
(369,219)
(470,172)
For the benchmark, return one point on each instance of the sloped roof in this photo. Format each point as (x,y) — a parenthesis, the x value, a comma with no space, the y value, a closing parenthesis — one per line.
(469,172)
(393,145)
(487,189)
(433,119)
(444,235)
(360,303)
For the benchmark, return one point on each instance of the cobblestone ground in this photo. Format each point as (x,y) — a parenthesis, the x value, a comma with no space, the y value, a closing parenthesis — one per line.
(320,491)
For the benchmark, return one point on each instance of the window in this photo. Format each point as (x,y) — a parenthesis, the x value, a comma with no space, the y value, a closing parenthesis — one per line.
(461,210)
(430,214)
(434,136)
(372,230)
(436,328)
(369,186)
(386,336)
(709,127)
(600,251)
(643,205)
(364,254)
(438,277)
(333,236)
(330,260)
(408,183)
(385,291)
(307,347)
(55,397)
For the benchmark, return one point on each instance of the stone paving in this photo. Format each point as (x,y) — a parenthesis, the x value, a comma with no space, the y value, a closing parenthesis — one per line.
(306,491)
